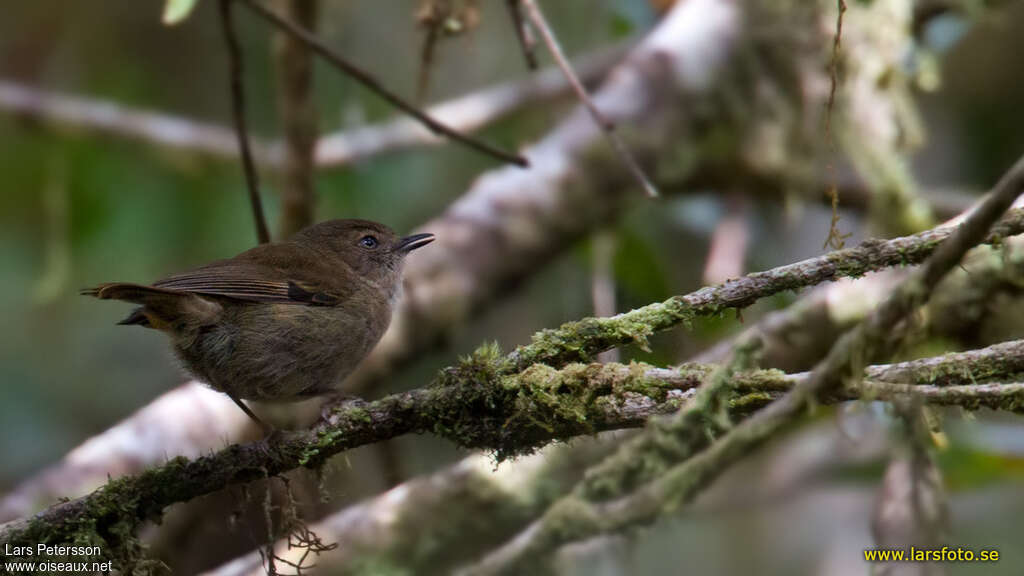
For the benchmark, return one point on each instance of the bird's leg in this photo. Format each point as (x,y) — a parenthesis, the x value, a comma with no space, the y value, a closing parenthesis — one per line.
(267,428)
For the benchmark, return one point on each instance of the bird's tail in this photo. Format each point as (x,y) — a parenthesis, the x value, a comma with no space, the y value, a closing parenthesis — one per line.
(160,306)
(130,292)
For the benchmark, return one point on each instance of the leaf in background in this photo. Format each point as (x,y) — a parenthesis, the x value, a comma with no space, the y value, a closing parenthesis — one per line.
(176,11)
(619,25)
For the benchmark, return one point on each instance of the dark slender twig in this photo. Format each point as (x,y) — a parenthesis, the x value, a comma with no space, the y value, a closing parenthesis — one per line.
(527,43)
(238,113)
(835,240)
(426,62)
(468,113)
(367,80)
(606,126)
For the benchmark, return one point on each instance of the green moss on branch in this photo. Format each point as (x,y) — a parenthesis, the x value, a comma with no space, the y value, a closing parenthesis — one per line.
(581,340)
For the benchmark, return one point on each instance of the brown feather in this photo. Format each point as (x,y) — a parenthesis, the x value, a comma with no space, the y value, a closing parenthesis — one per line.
(285,273)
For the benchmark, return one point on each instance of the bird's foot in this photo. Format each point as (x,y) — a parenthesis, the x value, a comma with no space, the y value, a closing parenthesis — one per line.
(334,400)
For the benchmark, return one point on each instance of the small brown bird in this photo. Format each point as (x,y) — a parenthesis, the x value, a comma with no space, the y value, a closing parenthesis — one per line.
(284,321)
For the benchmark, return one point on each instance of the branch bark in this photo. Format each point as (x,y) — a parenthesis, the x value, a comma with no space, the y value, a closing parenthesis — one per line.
(575,341)
(294,67)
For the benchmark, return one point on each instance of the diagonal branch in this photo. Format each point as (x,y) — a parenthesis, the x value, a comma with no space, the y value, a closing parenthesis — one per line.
(524,35)
(577,341)
(366,79)
(468,113)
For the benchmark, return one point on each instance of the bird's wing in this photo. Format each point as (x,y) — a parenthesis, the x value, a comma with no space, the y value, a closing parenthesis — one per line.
(289,279)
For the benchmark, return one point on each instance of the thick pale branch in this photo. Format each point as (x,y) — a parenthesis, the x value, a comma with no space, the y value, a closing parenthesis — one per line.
(77,113)
(481,505)
(187,421)
(467,113)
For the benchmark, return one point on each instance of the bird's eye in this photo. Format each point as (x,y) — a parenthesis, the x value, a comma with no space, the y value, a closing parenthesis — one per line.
(368,242)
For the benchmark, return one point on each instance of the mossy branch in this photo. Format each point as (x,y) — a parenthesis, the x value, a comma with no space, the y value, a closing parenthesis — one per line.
(511,414)
(579,341)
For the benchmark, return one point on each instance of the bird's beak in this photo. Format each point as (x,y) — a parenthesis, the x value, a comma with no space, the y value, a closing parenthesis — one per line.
(410,243)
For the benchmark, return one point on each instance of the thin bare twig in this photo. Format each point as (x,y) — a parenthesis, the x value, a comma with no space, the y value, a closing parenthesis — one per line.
(426,62)
(835,240)
(606,126)
(527,43)
(367,80)
(440,19)
(238,113)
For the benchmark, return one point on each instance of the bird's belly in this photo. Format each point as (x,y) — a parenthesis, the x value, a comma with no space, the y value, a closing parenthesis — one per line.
(280,352)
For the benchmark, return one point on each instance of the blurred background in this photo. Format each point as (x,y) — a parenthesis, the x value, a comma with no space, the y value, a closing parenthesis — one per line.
(78,208)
